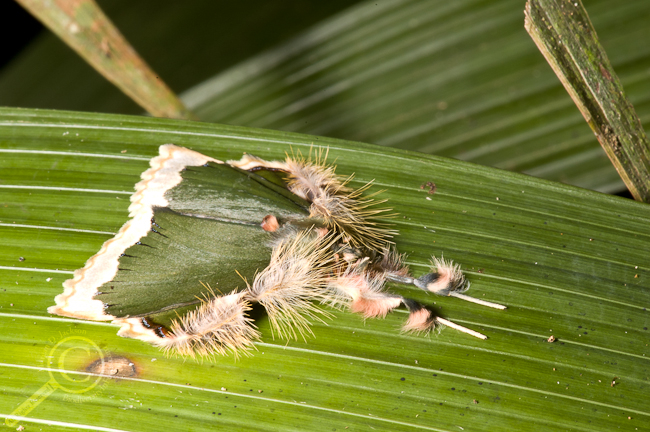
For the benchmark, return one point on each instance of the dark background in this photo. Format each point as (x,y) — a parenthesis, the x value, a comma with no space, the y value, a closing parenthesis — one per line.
(18,29)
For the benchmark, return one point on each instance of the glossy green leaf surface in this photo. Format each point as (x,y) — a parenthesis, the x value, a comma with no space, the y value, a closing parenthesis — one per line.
(566,261)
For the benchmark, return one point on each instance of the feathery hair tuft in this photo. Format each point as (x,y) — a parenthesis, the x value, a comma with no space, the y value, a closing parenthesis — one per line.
(446,278)
(451,272)
(218,325)
(297,274)
(337,204)
(393,262)
(421,320)
(363,292)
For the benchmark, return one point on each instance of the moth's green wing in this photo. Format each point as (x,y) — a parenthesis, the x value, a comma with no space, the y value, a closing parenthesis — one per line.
(209,234)
(196,223)
(224,192)
(167,268)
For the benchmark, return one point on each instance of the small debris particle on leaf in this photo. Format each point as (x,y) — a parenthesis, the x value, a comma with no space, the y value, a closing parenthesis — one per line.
(224,389)
(123,151)
(551,339)
(430,185)
(260,391)
(475,401)
(21,259)
(22,428)
(614,381)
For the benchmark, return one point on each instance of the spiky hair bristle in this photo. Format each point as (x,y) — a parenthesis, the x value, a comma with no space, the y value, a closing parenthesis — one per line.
(393,262)
(421,320)
(339,205)
(219,325)
(296,276)
(449,274)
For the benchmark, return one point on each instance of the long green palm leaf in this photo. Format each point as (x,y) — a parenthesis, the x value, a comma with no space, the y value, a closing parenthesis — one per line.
(567,262)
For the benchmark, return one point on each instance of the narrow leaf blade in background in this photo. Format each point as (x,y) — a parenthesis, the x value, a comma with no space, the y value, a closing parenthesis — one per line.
(85,28)
(185,43)
(564,34)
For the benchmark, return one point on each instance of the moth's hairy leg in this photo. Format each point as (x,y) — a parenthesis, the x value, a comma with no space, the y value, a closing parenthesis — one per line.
(446,278)
(296,276)
(363,292)
(220,325)
(423,319)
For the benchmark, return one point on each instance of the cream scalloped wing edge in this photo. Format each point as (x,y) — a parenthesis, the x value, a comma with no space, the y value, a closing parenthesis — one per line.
(77,300)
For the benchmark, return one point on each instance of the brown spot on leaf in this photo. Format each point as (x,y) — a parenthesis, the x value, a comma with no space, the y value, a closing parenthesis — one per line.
(105,47)
(113,367)
(429,185)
